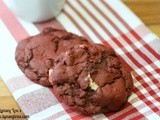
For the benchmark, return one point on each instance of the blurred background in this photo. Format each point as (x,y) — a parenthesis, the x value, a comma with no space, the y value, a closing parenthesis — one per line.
(148,11)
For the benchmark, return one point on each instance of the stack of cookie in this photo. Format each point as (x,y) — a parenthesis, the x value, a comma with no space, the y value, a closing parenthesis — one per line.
(88,77)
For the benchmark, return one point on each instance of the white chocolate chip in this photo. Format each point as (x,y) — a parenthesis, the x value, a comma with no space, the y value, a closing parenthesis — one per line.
(92,84)
(67,53)
(82,46)
(50,71)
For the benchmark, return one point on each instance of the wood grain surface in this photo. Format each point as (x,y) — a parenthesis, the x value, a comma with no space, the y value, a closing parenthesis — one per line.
(147,10)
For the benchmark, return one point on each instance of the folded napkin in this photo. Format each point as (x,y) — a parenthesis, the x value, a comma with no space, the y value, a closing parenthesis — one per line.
(102,21)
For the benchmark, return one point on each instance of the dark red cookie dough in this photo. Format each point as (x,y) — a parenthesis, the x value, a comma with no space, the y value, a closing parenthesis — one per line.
(35,55)
(91,79)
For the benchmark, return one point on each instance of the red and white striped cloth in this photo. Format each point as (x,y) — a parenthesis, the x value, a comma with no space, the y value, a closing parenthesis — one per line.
(102,21)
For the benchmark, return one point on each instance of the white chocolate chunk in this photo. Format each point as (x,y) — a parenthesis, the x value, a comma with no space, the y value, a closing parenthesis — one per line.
(50,71)
(92,84)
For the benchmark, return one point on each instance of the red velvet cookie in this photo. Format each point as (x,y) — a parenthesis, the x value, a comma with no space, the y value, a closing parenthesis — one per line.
(91,79)
(35,55)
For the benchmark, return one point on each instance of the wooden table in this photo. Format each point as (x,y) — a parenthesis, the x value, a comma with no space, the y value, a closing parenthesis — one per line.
(147,10)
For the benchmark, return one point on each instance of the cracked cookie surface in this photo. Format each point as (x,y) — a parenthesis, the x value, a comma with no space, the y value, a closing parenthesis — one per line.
(91,78)
(35,55)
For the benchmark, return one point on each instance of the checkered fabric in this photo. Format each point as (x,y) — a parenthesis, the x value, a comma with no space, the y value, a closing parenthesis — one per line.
(103,21)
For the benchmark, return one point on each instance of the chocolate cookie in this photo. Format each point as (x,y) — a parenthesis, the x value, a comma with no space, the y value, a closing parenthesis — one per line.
(35,55)
(91,79)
